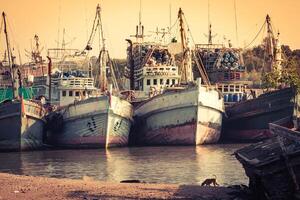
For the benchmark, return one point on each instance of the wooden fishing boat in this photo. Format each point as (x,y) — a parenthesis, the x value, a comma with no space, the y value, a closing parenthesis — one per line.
(249,120)
(22,125)
(21,119)
(90,114)
(273,165)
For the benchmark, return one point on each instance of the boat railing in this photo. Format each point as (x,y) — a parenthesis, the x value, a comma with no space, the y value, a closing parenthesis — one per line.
(160,71)
(209,46)
(75,82)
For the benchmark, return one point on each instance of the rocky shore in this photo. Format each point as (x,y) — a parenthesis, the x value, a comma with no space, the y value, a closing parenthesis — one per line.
(28,187)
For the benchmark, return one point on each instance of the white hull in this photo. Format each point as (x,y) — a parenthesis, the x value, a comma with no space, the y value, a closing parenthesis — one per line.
(96,122)
(186,117)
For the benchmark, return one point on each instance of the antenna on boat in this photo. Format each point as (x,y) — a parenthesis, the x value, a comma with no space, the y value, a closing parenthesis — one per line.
(139,35)
(170,17)
(58,30)
(236,24)
(209,35)
(209,23)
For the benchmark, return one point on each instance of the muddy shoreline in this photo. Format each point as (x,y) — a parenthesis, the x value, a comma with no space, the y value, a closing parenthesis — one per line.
(29,187)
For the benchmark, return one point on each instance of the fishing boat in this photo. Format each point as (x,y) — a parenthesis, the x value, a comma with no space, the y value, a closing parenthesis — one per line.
(272,165)
(249,119)
(90,114)
(173,109)
(225,68)
(21,119)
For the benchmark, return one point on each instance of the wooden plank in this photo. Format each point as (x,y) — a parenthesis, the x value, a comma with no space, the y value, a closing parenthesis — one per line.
(284,132)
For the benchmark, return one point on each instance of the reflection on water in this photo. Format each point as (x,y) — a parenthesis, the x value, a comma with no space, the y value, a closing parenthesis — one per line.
(182,165)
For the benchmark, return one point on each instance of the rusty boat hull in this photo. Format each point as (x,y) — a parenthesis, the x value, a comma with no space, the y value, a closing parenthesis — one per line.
(187,117)
(249,121)
(94,123)
(22,126)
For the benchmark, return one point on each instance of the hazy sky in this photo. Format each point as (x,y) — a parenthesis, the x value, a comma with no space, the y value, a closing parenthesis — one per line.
(47,17)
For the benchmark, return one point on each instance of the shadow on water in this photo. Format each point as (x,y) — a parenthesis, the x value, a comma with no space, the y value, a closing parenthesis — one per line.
(180,165)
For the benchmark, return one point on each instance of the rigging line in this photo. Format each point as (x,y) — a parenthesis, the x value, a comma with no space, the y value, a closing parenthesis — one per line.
(101,30)
(175,23)
(86,20)
(10,26)
(94,29)
(1,26)
(264,58)
(202,68)
(256,35)
(58,30)
(236,24)
(189,30)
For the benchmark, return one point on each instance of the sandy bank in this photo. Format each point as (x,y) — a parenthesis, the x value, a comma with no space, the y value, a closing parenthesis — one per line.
(27,187)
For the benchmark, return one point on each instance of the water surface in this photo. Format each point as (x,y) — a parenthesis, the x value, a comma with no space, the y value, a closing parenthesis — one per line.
(180,165)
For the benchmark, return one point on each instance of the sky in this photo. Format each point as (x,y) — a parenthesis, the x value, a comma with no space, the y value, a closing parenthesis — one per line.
(48,18)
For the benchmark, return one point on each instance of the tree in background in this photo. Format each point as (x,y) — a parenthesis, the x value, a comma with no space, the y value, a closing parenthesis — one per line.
(289,76)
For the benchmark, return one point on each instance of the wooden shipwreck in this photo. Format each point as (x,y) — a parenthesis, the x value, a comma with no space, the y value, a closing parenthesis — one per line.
(273,165)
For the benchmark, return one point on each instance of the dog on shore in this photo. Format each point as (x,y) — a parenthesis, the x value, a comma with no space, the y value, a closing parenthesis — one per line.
(210,181)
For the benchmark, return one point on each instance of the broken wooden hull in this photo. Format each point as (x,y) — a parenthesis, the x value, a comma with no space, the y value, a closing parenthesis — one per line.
(249,121)
(187,117)
(22,126)
(273,165)
(94,123)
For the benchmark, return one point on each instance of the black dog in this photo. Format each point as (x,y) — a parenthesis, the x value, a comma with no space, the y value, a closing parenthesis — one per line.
(209,181)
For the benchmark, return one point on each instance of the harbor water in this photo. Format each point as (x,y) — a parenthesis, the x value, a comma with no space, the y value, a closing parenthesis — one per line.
(180,165)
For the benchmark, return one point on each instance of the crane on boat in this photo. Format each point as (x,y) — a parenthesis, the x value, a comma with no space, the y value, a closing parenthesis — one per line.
(104,59)
(186,69)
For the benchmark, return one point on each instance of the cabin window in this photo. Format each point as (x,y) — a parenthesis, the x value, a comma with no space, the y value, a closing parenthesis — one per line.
(173,81)
(238,76)
(148,81)
(64,93)
(231,88)
(77,94)
(70,93)
(225,88)
(161,81)
(237,88)
(168,81)
(154,81)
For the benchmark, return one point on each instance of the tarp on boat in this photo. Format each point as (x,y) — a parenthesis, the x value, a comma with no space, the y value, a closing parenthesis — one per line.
(26,93)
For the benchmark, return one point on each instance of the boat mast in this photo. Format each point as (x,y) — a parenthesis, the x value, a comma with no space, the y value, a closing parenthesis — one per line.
(103,53)
(186,66)
(139,38)
(273,48)
(50,78)
(269,42)
(10,58)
